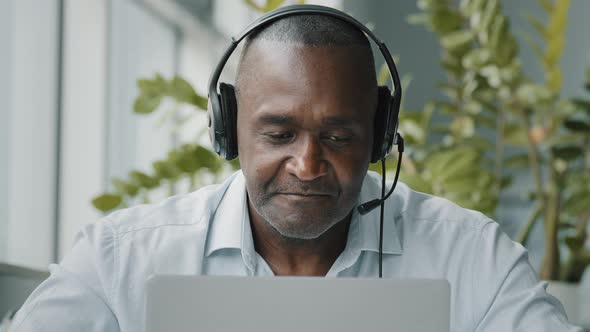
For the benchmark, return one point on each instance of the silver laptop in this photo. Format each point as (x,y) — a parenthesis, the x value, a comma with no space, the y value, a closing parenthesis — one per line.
(289,304)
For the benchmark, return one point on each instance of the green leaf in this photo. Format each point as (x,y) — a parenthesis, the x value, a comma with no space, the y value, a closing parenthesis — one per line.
(412,130)
(582,104)
(554,81)
(476,58)
(463,126)
(565,138)
(152,86)
(437,162)
(426,119)
(506,181)
(166,170)
(187,161)
(566,225)
(446,107)
(235,164)
(143,180)
(107,202)
(491,10)
(567,153)
(416,182)
(470,7)
(480,143)
(498,32)
(145,104)
(455,162)
(537,25)
(252,4)
(577,203)
(273,4)
(181,90)
(456,40)
(445,20)
(460,185)
(575,243)
(577,125)
(546,5)
(452,65)
(123,187)
(207,159)
(515,135)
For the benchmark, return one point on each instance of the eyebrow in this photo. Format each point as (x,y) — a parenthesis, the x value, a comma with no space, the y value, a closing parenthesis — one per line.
(274,119)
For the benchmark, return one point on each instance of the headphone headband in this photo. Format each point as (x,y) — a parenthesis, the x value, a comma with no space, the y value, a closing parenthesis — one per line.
(222,106)
(300,10)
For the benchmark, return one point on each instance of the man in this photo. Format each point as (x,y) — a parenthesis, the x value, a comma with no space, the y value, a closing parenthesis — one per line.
(306,94)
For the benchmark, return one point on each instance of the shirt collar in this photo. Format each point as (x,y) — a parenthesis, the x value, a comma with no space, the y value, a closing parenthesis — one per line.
(227,223)
(230,225)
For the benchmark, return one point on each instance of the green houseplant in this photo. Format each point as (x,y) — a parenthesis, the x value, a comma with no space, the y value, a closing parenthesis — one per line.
(498,121)
(493,122)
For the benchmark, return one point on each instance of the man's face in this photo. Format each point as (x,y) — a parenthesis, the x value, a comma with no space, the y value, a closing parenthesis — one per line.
(305,126)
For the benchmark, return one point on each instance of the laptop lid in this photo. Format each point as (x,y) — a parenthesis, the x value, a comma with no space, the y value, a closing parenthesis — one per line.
(289,304)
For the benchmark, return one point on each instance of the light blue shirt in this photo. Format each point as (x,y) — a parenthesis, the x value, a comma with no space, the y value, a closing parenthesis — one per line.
(99,285)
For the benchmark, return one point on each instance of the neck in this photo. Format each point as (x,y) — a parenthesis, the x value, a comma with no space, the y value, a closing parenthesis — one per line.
(287,256)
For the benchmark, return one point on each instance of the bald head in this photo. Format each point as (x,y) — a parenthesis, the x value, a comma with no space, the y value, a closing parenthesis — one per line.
(310,31)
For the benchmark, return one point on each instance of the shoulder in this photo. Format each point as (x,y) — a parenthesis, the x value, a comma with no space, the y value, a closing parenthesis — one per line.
(417,211)
(186,209)
(417,208)
(151,228)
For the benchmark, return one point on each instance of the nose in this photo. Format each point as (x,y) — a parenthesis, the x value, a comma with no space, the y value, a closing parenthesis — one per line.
(307,161)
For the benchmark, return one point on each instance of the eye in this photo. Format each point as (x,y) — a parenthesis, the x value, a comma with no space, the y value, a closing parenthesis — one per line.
(337,139)
(279,137)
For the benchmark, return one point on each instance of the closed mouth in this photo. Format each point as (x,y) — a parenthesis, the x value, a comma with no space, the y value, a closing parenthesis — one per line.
(308,195)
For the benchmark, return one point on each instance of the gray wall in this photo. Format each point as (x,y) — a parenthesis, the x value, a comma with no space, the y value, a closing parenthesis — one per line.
(5,104)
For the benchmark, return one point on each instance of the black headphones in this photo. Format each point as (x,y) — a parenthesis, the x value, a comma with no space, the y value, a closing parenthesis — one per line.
(222,106)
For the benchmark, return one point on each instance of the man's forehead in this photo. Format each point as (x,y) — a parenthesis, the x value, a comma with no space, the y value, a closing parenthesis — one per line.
(295,63)
(263,46)
(282,77)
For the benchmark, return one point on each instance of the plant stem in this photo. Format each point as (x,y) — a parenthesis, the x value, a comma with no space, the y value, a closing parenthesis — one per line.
(582,223)
(578,260)
(524,234)
(550,267)
(534,158)
(550,202)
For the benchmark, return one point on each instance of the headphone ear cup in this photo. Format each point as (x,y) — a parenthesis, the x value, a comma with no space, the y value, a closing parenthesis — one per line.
(381,123)
(229,108)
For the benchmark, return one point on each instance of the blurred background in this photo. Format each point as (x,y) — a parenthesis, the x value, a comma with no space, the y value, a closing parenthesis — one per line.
(101,107)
